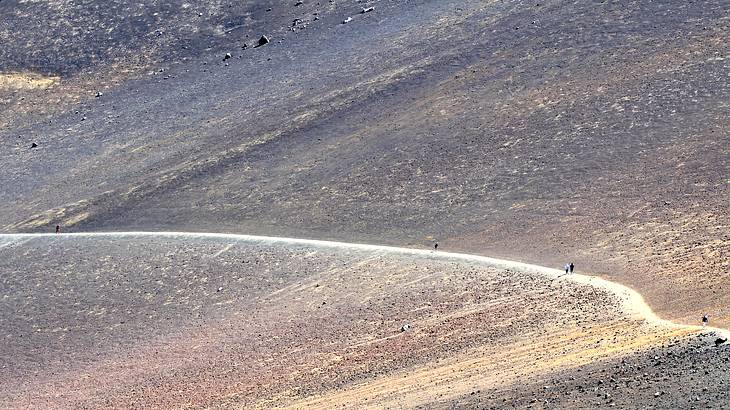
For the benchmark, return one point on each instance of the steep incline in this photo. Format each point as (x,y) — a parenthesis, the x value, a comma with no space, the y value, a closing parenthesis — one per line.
(544,131)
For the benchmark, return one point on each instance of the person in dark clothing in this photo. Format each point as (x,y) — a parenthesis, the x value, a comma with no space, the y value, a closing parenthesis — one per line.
(567,268)
(58,228)
(571,267)
(435,246)
(705,320)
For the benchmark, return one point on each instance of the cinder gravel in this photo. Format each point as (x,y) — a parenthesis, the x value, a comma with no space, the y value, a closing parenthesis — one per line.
(146,321)
(683,373)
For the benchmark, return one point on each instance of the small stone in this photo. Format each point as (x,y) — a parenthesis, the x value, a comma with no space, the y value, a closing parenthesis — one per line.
(367,10)
(34,145)
(405,327)
(227,56)
(263,40)
(657,394)
(298,3)
(347,20)
(99,94)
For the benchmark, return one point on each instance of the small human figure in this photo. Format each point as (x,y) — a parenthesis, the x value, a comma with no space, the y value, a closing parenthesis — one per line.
(571,267)
(705,320)
(58,228)
(567,267)
(435,246)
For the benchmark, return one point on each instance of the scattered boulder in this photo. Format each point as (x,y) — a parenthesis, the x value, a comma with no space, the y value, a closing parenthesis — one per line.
(347,20)
(366,10)
(263,41)
(405,327)
(298,3)
(34,145)
(99,94)
(227,56)
(720,340)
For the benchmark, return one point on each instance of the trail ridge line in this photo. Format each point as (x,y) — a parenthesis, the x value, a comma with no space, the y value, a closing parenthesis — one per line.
(633,303)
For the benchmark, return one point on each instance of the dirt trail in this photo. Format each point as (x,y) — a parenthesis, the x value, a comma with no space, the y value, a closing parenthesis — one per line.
(633,302)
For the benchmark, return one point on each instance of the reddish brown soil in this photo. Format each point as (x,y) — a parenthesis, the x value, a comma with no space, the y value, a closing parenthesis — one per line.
(224,323)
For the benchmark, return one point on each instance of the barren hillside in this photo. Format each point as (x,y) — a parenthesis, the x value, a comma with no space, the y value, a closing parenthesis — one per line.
(180,321)
(545,131)
(535,131)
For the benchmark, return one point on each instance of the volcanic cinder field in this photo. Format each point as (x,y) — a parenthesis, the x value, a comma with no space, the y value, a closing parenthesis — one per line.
(198,153)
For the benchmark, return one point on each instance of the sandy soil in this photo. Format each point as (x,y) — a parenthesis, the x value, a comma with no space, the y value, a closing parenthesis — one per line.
(231,321)
(541,132)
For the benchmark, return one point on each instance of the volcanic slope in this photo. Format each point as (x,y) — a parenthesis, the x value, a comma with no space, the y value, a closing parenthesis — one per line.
(174,320)
(544,131)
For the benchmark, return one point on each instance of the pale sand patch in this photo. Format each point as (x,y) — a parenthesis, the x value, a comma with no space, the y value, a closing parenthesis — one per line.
(26,81)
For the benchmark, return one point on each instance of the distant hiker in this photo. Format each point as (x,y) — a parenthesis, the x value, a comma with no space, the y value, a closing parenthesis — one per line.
(58,228)
(435,246)
(571,267)
(567,267)
(705,320)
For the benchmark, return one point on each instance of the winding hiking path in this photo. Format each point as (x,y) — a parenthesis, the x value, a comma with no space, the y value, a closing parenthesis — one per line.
(633,302)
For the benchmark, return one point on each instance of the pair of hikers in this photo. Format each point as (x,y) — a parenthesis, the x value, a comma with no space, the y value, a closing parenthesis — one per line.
(569,268)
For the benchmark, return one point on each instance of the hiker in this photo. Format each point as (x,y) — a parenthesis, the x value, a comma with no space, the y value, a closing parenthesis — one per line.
(705,320)
(58,228)
(566,268)
(571,267)
(435,246)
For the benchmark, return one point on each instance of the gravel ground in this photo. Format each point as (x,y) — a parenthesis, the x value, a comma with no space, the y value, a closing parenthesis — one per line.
(688,372)
(155,321)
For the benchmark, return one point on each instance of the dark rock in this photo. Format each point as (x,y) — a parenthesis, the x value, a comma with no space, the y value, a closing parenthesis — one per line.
(299,3)
(227,56)
(263,40)
(34,145)
(720,341)
(405,327)
(367,10)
